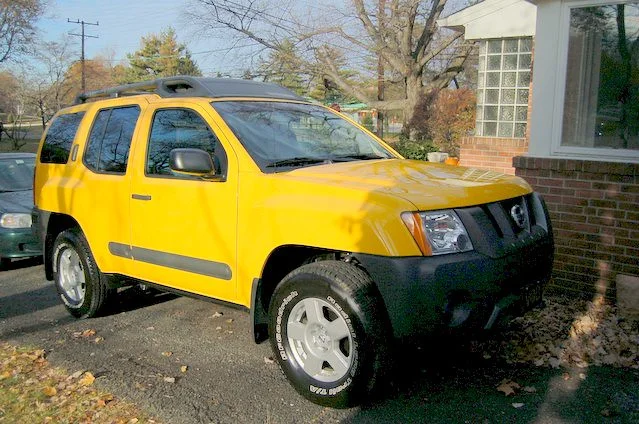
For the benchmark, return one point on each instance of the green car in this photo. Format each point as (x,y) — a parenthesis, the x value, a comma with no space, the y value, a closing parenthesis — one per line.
(16,202)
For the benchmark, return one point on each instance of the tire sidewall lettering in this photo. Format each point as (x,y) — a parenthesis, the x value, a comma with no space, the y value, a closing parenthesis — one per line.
(317,388)
(278,326)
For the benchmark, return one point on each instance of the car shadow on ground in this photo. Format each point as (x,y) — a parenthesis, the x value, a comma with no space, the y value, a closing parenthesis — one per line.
(131,298)
(438,384)
(22,263)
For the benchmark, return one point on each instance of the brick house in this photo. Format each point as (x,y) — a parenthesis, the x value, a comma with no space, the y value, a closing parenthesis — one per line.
(569,124)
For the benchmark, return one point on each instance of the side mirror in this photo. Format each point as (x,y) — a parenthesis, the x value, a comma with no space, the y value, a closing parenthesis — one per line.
(194,162)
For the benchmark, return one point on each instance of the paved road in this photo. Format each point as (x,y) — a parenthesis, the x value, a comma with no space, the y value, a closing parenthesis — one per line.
(229,381)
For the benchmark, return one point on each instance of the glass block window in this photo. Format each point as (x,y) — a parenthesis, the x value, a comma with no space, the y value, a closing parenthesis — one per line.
(502,87)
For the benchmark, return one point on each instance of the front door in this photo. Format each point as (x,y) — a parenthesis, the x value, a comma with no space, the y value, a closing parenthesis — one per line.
(183,228)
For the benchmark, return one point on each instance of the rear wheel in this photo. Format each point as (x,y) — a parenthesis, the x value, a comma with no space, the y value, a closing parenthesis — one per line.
(81,286)
(328,331)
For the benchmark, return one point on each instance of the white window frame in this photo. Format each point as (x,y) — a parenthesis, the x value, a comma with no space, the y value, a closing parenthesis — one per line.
(540,145)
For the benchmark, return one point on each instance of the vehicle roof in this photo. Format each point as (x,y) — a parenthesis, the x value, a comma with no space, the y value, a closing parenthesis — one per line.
(188,86)
(17,155)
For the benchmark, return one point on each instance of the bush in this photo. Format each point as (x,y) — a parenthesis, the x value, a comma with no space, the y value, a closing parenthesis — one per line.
(445,116)
(417,150)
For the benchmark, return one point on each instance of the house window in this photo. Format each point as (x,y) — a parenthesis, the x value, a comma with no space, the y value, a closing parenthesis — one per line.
(601,96)
(503,84)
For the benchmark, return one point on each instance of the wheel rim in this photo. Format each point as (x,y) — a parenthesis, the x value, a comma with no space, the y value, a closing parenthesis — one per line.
(71,276)
(320,339)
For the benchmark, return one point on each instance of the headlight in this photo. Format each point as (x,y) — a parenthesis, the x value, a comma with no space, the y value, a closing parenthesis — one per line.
(15,220)
(437,233)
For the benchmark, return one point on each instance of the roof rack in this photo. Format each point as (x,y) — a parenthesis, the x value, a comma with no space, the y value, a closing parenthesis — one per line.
(188,86)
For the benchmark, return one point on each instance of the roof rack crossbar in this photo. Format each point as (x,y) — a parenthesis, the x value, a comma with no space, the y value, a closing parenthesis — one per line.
(188,86)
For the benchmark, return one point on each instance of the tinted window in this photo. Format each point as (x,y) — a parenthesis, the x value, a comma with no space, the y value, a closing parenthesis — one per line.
(110,139)
(59,139)
(180,128)
(92,152)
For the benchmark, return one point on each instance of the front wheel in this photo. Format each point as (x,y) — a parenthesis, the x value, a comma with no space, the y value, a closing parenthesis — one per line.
(328,330)
(79,282)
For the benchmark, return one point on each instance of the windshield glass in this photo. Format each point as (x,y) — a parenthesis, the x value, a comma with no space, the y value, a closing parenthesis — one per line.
(16,174)
(279,136)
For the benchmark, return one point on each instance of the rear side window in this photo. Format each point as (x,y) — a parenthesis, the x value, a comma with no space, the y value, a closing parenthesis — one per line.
(110,139)
(57,143)
(180,128)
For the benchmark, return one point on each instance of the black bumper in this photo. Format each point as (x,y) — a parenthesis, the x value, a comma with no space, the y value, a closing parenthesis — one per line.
(467,290)
(502,278)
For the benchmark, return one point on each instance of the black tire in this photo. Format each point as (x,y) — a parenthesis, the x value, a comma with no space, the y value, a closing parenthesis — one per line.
(337,362)
(4,263)
(80,284)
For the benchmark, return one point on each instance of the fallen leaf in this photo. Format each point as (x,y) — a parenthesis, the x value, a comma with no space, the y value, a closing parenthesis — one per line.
(184,368)
(49,391)
(269,360)
(508,387)
(566,376)
(87,379)
(150,328)
(230,320)
(218,328)
(169,379)
(167,353)
(217,315)
(518,405)
(98,339)
(88,333)
(133,421)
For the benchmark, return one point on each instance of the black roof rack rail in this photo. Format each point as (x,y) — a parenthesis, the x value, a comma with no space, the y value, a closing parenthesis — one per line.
(188,86)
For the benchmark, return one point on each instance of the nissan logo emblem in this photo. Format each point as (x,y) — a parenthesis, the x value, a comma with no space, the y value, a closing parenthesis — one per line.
(518,216)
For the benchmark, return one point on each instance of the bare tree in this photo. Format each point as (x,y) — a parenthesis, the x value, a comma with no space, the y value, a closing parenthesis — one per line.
(17,31)
(403,34)
(46,88)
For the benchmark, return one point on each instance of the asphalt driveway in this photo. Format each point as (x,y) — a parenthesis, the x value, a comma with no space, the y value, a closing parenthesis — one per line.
(229,379)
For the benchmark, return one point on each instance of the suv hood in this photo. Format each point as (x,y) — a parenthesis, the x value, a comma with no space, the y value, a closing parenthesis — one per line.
(426,185)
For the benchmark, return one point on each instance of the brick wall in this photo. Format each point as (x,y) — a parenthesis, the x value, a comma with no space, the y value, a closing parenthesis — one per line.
(594,207)
(495,154)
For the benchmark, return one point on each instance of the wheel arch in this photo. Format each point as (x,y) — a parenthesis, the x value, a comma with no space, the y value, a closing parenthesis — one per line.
(57,223)
(279,263)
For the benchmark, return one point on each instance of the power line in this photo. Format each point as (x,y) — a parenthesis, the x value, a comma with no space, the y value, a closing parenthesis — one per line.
(83,36)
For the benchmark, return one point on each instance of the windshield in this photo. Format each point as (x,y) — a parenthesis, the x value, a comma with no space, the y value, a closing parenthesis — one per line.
(279,136)
(16,174)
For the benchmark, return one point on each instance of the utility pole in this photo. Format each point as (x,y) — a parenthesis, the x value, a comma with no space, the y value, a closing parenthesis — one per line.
(380,70)
(83,36)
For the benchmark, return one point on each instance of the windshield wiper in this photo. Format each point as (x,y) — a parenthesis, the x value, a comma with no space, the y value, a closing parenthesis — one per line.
(365,156)
(295,161)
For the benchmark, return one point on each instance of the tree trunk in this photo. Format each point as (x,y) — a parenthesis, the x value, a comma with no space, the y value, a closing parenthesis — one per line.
(413,95)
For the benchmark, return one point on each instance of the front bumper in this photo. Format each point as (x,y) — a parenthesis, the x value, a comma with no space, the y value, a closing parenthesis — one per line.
(18,243)
(502,278)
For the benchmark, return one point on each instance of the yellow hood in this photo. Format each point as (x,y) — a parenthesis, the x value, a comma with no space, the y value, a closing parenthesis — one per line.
(427,185)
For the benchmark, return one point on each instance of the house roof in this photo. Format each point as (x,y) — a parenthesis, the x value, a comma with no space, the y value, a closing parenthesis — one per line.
(494,19)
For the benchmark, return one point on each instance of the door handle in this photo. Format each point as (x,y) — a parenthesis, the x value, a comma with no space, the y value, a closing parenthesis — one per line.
(141,196)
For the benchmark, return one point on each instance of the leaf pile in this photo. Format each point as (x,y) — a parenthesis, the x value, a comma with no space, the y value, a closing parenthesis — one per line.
(33,391)
(568,332)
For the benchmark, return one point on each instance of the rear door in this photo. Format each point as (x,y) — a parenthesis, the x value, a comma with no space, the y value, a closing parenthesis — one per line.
(184,228)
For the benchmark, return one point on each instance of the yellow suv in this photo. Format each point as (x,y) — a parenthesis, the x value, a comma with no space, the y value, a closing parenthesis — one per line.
(243,192)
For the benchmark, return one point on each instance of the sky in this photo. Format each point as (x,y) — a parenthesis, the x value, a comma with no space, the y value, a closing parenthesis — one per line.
(122,23)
